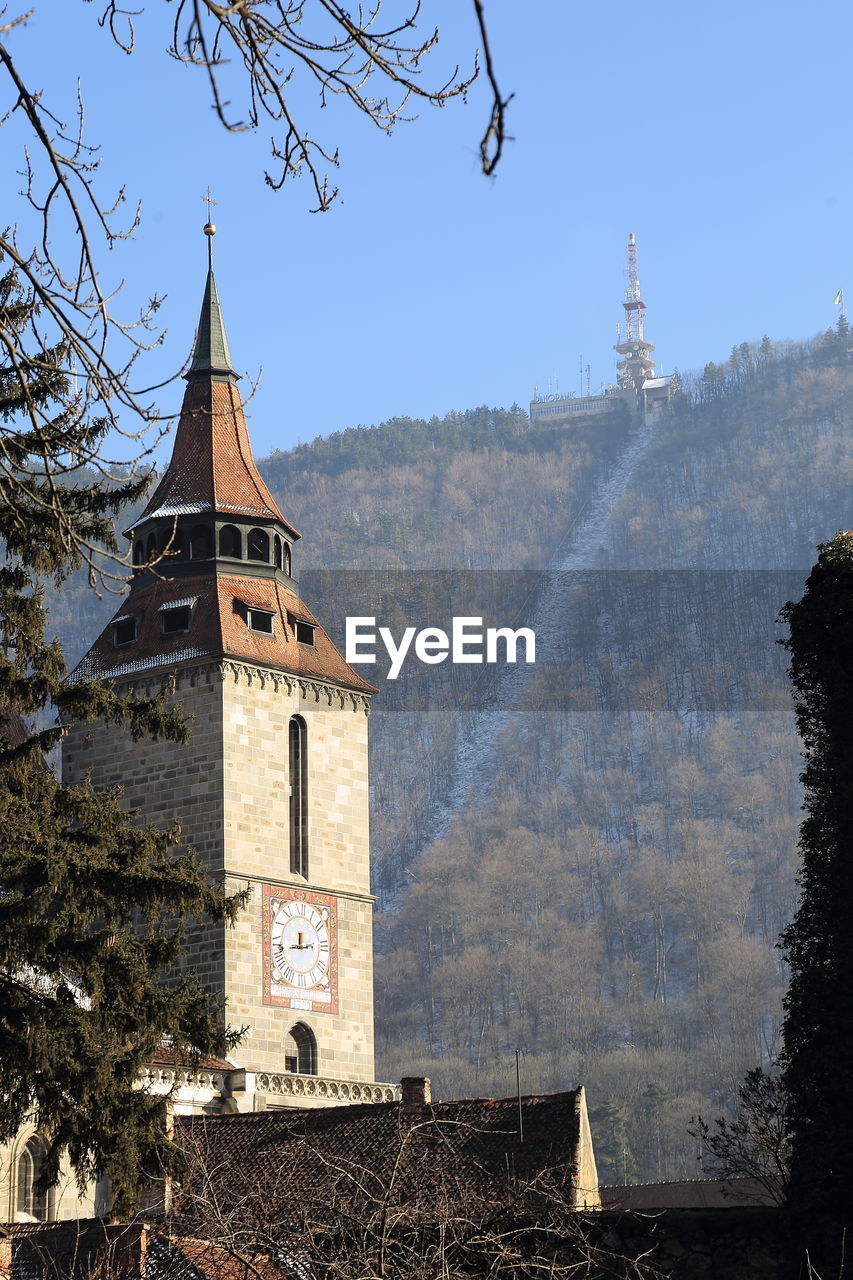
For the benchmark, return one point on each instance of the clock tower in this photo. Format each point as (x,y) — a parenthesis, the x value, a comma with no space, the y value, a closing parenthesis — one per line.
(272,790)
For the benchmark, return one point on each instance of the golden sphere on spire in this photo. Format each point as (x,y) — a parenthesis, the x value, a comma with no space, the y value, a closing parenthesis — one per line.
(210,229)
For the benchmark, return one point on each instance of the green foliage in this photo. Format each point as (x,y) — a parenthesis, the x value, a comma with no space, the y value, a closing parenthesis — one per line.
(90,904)
(613,1156)
(405,441)
(818,1026)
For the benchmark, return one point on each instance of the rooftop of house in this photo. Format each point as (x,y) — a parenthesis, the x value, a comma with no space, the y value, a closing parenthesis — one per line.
(316,1161)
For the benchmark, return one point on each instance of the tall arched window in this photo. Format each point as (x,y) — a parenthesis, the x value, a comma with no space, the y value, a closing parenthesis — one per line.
(259,545)
(151,549)
(300,1050)
(30,1201)
(201,543)
(138,552)
(230,542)
(286,560)
(298,745)
(276,551)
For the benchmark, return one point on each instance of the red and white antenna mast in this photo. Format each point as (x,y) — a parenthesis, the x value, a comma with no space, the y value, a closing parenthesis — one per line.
(637,365)
(633,304)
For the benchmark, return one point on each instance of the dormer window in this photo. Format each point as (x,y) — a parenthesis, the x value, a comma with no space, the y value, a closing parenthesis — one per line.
(176,616)
(304,632)
(124,630)
(260,620)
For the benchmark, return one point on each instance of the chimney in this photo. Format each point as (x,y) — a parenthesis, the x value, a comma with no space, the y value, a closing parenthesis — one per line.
(415,1091)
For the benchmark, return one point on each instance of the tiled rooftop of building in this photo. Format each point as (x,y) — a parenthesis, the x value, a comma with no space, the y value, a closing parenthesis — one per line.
(219,627)
(212,467)
(316,1160)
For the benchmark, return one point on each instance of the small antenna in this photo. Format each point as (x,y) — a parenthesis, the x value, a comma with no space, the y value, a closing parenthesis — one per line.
(518,1093)
(587,379)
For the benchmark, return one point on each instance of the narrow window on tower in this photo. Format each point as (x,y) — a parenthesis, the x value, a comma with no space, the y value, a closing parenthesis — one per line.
(32,1204)
(259,545)
(298,745)
(230,542)
(300,1051)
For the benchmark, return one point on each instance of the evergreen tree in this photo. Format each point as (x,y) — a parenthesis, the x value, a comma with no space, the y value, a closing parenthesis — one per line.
(90,905)
(613,1155)
(818,1064)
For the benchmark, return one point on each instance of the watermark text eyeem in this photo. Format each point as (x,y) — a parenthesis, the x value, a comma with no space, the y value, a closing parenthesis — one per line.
(467,642)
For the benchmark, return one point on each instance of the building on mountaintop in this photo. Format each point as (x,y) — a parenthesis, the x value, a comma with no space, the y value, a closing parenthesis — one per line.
(637,385)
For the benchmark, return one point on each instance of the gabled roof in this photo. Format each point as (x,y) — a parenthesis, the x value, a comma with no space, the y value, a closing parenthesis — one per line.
(315,1162)
(218,628)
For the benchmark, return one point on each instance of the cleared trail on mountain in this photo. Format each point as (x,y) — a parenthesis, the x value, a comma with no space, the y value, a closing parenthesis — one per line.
(477,759)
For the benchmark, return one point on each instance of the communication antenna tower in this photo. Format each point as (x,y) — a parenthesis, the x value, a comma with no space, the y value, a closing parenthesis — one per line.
(637,365)
(633,304)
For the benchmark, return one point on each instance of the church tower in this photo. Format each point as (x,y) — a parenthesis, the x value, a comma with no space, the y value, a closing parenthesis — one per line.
(272,790)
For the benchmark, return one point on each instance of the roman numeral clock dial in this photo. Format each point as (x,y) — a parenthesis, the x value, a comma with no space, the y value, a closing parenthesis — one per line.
(300,949)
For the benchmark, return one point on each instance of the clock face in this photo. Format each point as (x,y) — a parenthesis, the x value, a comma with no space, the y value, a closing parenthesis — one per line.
(300,943)
(300,949)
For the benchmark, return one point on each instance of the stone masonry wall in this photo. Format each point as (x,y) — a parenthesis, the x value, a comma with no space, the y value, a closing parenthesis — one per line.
(256,715)
(229,790)
(167,783)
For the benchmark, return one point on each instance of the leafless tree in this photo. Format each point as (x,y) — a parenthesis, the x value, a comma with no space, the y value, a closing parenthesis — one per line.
(64,347)
(395,1215)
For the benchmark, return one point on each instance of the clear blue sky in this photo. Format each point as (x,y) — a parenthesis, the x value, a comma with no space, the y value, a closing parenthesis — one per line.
(719,134)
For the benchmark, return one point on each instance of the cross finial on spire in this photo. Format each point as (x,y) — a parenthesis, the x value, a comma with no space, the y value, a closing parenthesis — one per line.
(210,229)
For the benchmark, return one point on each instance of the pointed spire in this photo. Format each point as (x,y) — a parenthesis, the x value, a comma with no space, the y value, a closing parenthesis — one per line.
(211,358)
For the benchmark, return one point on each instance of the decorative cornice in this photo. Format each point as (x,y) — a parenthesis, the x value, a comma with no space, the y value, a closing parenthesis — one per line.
(234,670)
(325,1088)
(168,1079)
(237,880)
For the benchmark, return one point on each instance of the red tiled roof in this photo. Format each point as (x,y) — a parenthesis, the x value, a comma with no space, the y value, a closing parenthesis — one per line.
(212,467)
(219,629)
(182,1258)
(164,1056)
(317,1160)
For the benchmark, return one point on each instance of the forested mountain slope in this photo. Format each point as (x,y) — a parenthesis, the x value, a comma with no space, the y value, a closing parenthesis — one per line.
(612,907)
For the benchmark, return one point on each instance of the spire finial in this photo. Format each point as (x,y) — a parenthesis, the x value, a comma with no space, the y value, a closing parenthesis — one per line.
(210,229)
(211,356)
